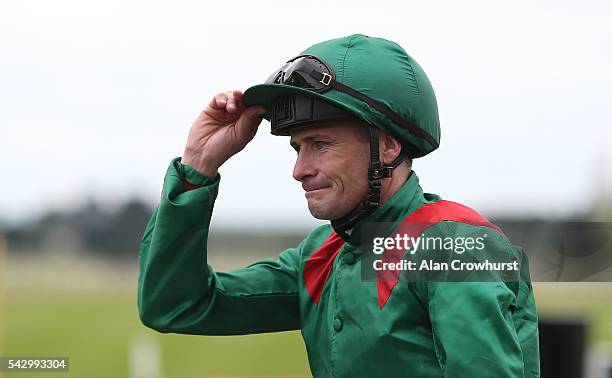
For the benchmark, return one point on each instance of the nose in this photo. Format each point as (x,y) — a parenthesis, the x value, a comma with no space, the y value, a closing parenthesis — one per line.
(304,166)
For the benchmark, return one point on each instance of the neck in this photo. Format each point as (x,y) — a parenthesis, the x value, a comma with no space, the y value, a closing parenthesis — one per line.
(395,182)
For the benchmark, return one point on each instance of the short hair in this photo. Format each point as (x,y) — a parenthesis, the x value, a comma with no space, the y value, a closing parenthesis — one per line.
(362,130)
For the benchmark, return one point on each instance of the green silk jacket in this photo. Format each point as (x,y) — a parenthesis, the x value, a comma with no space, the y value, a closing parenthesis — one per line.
(351,327)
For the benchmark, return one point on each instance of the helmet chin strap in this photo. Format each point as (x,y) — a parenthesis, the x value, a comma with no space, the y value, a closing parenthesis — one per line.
(376,172)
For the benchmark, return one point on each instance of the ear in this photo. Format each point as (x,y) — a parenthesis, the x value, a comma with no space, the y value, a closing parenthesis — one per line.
(390,148)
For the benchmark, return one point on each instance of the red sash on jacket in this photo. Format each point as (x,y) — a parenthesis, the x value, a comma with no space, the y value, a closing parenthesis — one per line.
(319,265)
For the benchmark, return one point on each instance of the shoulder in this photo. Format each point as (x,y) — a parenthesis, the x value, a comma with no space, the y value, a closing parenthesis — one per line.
(449,218)
(453,227)
(453,232)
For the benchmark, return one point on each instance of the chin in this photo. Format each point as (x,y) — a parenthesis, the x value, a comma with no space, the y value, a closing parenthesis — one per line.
(327,210)
(319,213)
(319,210)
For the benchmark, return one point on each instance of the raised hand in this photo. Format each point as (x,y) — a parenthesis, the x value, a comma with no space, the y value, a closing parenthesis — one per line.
(221,130)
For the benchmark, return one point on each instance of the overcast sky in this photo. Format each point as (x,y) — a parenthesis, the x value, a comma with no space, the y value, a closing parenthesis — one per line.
(96,97)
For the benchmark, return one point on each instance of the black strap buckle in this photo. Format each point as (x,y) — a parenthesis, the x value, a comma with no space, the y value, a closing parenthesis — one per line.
(379,173)
(322,77)
(326,79)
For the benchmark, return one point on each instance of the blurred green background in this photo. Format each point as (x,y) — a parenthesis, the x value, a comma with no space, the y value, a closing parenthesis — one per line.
(85,309)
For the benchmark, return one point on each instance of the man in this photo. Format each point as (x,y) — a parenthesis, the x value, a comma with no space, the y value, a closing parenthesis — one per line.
(358,110)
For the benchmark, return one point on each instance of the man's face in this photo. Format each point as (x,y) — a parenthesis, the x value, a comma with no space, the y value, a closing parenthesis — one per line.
(332,165)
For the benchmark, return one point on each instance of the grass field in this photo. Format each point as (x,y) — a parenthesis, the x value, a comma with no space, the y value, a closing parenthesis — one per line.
(96,329)
(87,311)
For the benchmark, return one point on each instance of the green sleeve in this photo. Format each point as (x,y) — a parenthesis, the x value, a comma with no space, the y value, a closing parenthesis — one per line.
(179,292)
(483,329)
(526,322)
(473,330)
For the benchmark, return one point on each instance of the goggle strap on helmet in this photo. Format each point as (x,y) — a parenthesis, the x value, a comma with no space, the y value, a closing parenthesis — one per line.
(376,172)
(407,124)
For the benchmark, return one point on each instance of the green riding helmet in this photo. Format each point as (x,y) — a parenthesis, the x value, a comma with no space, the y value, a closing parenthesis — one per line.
(372,79)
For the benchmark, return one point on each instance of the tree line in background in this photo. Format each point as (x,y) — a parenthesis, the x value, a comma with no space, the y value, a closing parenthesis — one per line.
(90,228)
(116,233)
(95,229)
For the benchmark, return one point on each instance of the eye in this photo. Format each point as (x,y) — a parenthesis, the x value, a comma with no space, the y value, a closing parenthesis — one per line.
(319,145)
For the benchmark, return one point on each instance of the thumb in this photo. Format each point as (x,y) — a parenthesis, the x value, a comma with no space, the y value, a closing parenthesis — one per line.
(249,121)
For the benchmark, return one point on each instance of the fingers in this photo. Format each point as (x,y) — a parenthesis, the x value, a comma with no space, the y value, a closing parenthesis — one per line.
(230,101)
(219,101)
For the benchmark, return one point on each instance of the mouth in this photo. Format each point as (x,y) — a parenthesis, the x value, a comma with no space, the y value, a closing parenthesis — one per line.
(316,191)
